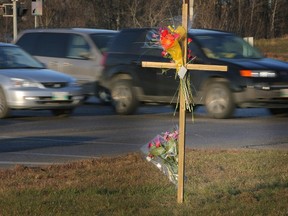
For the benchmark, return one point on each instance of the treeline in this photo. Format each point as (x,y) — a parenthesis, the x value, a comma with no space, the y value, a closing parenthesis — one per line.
(257,18)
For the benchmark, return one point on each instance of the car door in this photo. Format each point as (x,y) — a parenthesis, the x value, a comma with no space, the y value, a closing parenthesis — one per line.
(162,81)
(83,62)
(50,48)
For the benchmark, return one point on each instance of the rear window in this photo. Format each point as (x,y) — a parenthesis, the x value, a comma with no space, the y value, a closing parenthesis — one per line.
(135,42)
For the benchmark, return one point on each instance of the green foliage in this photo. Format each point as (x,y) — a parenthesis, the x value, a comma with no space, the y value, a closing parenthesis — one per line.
(240,182)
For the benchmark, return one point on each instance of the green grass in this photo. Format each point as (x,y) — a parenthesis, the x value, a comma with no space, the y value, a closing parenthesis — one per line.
(234,182)
(274,48)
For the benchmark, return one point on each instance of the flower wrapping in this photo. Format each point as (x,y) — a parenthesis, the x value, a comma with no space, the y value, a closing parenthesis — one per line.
(162,151)
(169,40)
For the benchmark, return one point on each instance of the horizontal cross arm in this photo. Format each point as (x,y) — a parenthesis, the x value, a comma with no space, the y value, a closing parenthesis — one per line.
(188,66)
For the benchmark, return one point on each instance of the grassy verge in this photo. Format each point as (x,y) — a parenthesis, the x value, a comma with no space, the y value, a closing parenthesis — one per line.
(274,48)
(234,182)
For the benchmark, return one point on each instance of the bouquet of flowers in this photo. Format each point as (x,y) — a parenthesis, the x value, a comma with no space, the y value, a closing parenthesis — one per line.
(162,151)
(170,39)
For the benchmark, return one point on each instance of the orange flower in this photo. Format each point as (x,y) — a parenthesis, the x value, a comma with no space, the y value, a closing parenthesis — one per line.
(167,40)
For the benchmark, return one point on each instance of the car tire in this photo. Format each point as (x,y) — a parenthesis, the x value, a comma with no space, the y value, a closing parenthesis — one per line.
(4,109)
(219,101)
(62,112)
(124,98)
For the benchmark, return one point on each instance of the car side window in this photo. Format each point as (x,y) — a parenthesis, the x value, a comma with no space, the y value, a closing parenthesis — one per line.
(78,47)
(52,45)
(27,42)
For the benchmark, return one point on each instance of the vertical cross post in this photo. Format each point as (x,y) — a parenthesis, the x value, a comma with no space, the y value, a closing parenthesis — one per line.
(182,112)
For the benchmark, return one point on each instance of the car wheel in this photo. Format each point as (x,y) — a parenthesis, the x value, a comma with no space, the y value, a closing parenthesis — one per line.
(4,109)
(124,99)
(219,101)
(62,112)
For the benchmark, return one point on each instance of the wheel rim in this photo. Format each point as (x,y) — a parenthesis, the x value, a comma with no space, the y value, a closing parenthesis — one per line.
(217,101)
(3,107)
(122,97)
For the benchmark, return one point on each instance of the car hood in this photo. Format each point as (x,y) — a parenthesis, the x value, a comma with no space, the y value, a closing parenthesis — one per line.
(257,64)
(39,75)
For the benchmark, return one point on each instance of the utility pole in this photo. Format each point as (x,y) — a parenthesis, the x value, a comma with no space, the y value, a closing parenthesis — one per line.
(191,11)
(14,2)
(7,13)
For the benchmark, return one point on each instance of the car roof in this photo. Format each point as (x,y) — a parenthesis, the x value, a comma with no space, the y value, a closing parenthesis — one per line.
(192,32)
(72,30)
(208,32)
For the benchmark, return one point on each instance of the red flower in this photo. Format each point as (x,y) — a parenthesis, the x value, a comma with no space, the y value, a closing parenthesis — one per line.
(150,155)
(189,40)
(167,41)
(164,32)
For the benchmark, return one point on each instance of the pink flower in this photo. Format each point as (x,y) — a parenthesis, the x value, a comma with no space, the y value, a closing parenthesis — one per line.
(164,53)
(189,40)
(175,134)
(166,136)
(176,36)
(157,143)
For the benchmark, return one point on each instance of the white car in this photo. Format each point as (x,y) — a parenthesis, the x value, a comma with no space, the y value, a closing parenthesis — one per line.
(25,83)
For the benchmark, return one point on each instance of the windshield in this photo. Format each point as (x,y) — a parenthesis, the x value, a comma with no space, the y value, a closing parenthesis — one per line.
(15,57)
(227,47)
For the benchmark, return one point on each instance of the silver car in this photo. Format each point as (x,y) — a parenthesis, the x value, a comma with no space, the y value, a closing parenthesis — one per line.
(78,52)
(26,84)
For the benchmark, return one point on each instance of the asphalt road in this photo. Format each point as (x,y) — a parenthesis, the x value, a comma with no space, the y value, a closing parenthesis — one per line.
(34,138)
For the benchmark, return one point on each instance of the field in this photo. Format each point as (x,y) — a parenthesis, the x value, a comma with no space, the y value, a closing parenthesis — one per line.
(234,182)
(274,48)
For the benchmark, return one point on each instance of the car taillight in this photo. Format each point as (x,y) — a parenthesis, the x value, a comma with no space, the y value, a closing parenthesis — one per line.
(104,58)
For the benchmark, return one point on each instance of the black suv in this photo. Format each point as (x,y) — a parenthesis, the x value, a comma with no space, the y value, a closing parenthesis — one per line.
(251,80)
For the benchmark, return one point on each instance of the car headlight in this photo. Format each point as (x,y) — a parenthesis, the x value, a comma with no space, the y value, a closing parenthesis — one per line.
(18,83)
(258,73)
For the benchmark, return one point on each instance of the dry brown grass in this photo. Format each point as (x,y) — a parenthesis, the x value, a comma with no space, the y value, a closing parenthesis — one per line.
(230,182)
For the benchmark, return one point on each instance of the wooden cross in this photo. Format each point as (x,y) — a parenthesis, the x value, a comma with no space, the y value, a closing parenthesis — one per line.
(182,107)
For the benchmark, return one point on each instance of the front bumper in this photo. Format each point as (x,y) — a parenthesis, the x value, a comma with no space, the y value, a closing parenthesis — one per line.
(44,99)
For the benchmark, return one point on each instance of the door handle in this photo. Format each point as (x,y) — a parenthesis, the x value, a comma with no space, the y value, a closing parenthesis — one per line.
(136,62)
(53,63)
(66,64)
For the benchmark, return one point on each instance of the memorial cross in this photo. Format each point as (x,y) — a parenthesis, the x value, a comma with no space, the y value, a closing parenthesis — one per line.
(182,106)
